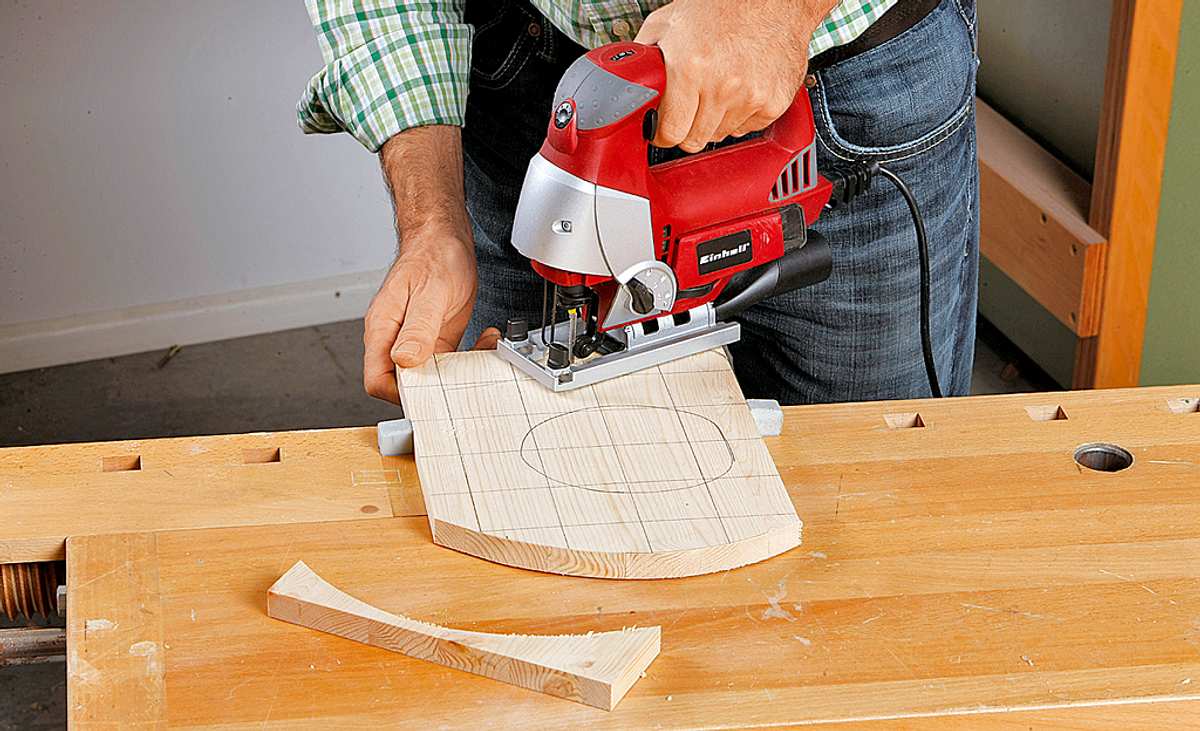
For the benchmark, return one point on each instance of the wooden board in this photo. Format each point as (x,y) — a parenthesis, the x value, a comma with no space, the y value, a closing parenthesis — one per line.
(1034,226)
(661,473)
(50,492)
(965,567)
(596,668)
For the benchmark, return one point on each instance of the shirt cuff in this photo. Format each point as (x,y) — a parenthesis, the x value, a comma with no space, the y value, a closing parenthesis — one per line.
(391,83)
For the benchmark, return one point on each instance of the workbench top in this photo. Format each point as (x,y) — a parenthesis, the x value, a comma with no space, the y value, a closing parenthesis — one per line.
(967,565)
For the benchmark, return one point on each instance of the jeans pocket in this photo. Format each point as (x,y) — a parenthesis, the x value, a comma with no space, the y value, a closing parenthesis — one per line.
(503,42)
(904,96)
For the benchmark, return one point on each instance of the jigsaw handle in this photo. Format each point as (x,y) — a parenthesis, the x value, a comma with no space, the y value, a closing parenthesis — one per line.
(645,67)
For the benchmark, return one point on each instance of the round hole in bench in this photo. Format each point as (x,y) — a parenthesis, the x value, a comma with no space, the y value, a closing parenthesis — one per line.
(1103,457)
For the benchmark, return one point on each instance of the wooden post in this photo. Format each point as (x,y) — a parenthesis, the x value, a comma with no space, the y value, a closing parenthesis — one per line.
(1143,38)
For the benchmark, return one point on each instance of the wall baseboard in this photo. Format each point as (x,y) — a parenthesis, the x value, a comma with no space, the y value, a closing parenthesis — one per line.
(45,343)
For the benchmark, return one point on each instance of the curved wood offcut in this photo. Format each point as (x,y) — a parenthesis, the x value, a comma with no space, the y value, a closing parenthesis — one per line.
(596,669)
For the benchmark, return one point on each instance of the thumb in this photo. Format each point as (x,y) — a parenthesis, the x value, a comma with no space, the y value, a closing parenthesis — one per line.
(487,339)
(419,331)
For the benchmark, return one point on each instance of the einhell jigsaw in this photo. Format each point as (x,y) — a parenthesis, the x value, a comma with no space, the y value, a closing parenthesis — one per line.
(647,253)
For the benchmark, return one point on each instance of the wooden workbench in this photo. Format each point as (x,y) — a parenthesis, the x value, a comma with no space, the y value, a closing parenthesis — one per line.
(965,566)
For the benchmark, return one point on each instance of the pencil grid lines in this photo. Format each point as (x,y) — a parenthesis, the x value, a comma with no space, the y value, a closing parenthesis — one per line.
(661,459)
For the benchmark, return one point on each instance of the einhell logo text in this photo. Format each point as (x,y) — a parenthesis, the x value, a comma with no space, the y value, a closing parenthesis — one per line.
(724,252)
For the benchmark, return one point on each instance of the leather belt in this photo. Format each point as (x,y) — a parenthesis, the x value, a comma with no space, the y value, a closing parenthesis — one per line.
(898,18)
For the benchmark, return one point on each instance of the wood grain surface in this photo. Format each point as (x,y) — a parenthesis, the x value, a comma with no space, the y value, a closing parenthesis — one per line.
(595,668)
(962,573)
(656,474)
(50,492)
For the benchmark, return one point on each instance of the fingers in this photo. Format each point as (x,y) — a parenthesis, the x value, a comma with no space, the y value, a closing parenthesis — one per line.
(764,114)
(704,127)
(380,326)
(754,124)
(418,337)
(677,111)
(487,339)
(379,372)
(731,125)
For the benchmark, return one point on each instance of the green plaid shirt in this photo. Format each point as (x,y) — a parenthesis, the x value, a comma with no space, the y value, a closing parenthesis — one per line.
(394,65)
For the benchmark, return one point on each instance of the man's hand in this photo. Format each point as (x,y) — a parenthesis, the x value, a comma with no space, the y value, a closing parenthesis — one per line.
(421,309)
(732,68)
(427,297)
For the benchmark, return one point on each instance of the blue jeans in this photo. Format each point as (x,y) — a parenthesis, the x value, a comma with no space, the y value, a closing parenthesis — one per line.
(908,104)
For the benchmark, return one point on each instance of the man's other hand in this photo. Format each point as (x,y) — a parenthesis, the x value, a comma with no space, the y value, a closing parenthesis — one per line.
(421,309)
(732,68)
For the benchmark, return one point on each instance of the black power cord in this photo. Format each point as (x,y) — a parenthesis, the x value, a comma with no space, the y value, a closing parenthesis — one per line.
(848,184)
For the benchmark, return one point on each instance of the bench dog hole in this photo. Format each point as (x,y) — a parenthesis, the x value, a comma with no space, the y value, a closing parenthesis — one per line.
(1184,406)
(904,421)
(1103,457)
(121,463)
(1052,412)
(260,455)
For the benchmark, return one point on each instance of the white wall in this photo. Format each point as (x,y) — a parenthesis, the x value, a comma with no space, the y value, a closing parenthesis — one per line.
(1043,64)
(154,188)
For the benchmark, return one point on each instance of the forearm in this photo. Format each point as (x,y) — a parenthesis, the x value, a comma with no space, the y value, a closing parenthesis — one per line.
(423,169)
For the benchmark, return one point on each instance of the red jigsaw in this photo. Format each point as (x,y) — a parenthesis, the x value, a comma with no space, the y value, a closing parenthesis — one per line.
(647,252)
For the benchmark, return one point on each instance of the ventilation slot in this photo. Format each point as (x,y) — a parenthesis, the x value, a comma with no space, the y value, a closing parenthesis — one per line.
(799,175)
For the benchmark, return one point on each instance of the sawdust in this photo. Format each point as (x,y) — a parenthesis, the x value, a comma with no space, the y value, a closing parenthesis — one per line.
(149,650)
(776,610)
(97,625)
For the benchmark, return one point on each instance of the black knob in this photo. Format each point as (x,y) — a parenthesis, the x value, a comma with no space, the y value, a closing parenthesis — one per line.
(517,330)
(641,298)
(558,356)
